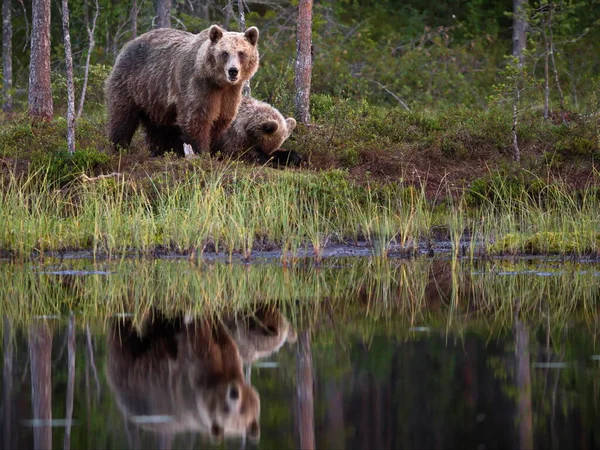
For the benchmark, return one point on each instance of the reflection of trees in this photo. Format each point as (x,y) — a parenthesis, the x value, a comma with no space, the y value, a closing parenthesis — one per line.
(523,381)
(304,393)
(7,389)
(40,353)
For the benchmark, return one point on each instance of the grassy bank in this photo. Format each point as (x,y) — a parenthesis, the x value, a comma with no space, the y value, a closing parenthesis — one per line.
(397,180)
(239,209)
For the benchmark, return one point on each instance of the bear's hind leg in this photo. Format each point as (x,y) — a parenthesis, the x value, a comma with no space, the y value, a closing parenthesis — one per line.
(161,139)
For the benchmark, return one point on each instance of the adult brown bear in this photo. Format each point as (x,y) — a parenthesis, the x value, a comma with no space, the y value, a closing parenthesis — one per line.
(173,82)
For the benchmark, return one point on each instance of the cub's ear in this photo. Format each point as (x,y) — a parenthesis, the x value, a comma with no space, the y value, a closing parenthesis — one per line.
(252,35)
(291,124)
(269,127)
(216,33)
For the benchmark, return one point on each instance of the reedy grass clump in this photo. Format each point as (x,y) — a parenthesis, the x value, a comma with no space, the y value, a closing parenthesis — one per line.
(235,210)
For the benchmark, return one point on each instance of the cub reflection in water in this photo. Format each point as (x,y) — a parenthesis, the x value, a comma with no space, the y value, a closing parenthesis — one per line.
(260,334)
(180,376)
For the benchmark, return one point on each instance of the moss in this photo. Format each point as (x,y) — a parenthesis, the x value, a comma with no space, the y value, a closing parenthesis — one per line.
(547,242)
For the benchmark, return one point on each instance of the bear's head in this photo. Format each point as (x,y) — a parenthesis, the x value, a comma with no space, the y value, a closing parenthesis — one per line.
(233,408)
(265,127)
(234,54)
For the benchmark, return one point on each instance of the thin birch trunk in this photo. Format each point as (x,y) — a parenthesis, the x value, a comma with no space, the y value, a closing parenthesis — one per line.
(40,91)
(91,44)
(516,100)
(7,56)
(546,72)
(304,60)
(70,85)
(561,97)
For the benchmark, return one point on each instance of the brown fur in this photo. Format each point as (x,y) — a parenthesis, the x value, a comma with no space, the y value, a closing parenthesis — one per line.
(171,79)
(257,126)
(260,335)
(188,373)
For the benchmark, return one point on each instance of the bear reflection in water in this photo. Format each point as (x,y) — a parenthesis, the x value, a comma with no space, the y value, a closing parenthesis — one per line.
(179,375)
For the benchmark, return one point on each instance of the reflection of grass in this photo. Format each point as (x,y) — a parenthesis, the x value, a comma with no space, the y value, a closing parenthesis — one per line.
(374,294)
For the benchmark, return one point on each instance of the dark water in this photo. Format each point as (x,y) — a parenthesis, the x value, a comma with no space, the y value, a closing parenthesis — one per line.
(356,354)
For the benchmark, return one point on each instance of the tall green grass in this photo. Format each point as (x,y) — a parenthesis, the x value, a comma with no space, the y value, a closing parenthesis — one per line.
(236,210)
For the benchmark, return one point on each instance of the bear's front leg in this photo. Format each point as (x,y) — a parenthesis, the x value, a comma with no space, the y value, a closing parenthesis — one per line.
(218,127)
(198,136)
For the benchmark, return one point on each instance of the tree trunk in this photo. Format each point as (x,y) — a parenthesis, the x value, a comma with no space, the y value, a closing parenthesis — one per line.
(6,56)
(163,12)
(242,18)
(304,392)
(516,100)
(40,357)
(134,13)
(546,71)
(70,86)
(40,92)
(91,44)
(303,60)
(519,36)
(70,379)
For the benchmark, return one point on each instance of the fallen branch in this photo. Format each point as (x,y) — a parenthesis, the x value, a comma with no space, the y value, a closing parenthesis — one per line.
(398,99)
(84,177)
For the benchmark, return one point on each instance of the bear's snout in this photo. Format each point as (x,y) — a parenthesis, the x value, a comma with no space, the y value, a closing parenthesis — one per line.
(233,73)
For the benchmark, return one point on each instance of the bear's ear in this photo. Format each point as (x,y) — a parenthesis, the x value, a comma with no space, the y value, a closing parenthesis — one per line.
(252,35)
(291,124)
(253,430)
(269,127)
(215,33)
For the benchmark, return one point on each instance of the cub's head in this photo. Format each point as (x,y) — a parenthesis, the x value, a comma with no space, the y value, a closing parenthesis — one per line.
(235,54)
(233,409)
(264,126)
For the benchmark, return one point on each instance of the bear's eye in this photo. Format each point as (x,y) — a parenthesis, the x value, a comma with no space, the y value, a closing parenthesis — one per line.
(241,55)
(225,54)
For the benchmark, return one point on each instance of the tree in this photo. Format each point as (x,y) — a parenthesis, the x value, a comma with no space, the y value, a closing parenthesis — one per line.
(519,37)
(163,12)
(6,55)
(70,377)
(242,18)
(40,92)
(91,42)
(303,60)
(134,13)
(70,85)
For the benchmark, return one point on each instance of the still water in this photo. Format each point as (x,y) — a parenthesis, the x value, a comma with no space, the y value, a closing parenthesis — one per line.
(355,353)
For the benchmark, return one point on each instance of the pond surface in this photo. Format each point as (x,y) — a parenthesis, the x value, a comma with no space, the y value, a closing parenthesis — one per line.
(356,353)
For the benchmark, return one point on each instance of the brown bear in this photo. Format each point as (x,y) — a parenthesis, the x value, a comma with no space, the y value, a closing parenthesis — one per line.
(257,133)
(179,377)
(261,334)
(181,87)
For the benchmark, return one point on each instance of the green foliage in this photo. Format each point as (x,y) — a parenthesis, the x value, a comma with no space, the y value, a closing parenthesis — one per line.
(60,166)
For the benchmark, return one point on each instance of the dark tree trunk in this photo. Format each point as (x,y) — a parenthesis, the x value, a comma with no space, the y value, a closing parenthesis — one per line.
(304,392)
(163,12)
(304,60)
(40,357)
(70,85)
(40,93)
(6,56)
(519,36)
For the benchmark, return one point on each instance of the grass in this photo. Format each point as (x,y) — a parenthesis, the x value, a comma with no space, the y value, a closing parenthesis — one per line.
(237,209)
